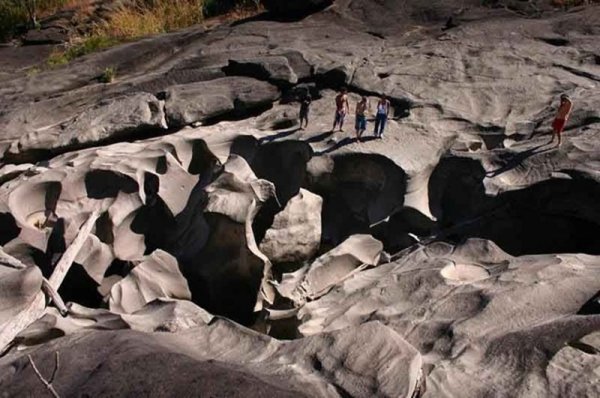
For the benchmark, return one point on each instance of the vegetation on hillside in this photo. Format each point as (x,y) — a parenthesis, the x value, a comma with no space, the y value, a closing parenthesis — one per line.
(135,18)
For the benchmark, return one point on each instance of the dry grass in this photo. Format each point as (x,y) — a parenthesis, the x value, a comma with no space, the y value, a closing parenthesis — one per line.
(152,17)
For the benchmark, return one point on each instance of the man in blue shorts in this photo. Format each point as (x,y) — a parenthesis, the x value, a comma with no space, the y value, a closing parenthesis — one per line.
(361,117)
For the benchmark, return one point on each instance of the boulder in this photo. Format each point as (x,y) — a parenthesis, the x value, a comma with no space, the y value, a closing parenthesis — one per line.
(202,101)
(219,359)
(131,364)
(276,69)
(108,119)
(49,35)
(296,232)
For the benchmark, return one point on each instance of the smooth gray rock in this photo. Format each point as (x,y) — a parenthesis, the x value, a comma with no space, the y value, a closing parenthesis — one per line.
(108,119)
(198,102)
(273,68)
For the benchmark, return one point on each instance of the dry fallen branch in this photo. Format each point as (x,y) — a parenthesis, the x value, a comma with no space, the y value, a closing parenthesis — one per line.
(65,262)
(51,293)
(36,309)
(47,383)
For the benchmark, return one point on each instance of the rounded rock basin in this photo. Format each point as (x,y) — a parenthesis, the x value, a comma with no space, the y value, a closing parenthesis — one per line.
(464,273)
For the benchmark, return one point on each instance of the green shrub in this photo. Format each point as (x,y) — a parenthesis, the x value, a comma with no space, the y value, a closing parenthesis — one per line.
(108,75)
(88,45)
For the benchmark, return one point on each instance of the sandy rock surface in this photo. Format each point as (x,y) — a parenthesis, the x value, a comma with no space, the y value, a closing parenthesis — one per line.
(457,256)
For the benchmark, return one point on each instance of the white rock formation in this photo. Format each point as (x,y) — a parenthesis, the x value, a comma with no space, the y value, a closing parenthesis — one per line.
(158,276)
(296,231)
(333,267)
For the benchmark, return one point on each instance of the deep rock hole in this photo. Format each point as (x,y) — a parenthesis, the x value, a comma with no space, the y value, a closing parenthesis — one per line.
(362,193)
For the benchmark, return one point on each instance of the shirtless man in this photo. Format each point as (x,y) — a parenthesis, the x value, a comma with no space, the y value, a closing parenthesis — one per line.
(341,109)
(361,118)
(561,118)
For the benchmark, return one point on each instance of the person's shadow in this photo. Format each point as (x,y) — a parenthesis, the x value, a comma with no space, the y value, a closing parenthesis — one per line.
(319,137)
(275,137)
(343,142)
(517,158)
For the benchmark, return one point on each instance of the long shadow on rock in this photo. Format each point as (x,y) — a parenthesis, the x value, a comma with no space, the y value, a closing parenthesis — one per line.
(554,216)
(183,235)
(154,219)
(362,190)
(223,275)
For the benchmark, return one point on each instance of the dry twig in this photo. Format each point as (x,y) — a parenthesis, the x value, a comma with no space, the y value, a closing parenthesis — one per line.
(47,383)
(36,308)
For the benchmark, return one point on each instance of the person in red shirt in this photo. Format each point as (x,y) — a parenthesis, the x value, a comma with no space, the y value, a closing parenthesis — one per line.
(564,111)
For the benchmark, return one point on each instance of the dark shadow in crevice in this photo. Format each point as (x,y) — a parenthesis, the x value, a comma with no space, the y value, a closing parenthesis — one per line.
(102,184)
(553,216)
(395,234)
(361,190)
(591,307)
(9,229)
(203,160)
(104,229)
(241,111)
(284,164)
(225,277)
(555,41)
(41,155)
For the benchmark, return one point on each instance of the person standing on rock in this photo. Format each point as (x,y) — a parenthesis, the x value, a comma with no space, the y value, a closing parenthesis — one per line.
(381,117)
(304,108)
(564,111)
(341,109)
(361,118)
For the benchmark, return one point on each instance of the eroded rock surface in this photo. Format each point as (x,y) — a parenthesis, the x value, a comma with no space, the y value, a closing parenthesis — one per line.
(456,256)
(296,232)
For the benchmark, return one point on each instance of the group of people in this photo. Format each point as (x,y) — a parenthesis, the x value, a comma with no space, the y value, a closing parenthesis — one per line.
(342,108)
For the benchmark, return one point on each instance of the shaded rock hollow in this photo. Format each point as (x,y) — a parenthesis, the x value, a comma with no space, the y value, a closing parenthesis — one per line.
(463,157)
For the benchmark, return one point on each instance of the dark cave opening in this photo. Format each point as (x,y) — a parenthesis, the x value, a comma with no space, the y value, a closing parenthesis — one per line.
(553,216)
